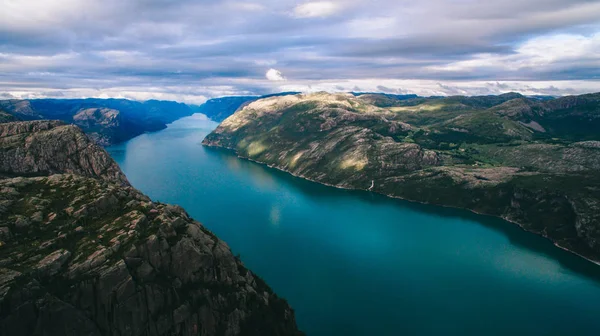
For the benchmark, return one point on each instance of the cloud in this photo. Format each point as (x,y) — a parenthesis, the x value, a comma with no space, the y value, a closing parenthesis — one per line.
(540,57)
(274,75)
(188,48)
(318,9)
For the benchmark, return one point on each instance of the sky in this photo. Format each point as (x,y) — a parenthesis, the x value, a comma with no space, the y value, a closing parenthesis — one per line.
(193,50)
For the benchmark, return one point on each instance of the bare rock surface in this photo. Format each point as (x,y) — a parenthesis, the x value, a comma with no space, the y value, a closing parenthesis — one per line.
(45,147)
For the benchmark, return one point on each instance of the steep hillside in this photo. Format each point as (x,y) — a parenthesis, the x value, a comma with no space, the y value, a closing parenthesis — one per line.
(218,109)
(107,121)
(6,117)
(84,253)
(20,109)
(42,147)
(455,151)
(574,118)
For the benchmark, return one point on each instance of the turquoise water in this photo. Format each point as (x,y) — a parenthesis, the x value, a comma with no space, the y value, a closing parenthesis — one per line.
(355,263)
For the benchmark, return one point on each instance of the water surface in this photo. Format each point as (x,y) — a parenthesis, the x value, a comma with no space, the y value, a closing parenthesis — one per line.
(356,263)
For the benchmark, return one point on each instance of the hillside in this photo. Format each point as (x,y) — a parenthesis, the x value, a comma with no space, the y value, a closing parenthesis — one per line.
(478,153)
(84,253)
(107,121)
(218,109)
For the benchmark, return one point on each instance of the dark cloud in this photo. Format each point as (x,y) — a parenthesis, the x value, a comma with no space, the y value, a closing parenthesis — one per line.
(213,47)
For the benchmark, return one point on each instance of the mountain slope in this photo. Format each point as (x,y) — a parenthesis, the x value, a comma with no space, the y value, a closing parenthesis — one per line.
(20,109)
(84,253)
(218,109)
(42,147)
(107,121)
(6,117)
(574,118)
(455,152)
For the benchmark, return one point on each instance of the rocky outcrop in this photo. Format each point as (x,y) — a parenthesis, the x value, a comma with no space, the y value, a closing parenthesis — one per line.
(48,147)
(96,258)
(84,253)
(100,124)
(465,152)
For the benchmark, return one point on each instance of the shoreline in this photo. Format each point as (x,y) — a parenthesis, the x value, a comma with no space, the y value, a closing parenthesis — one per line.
(404,199)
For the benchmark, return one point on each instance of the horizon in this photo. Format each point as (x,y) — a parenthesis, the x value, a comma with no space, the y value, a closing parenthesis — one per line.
(293,93)
(189,52)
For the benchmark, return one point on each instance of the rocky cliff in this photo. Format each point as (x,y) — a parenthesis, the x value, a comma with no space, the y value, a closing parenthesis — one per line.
(466,152)
(101,124)
(44,147)
(84,253)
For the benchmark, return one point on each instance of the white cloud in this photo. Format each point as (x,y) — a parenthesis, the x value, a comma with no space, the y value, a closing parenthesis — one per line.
(536,53)
(274,75)
(315,9)
(444,88)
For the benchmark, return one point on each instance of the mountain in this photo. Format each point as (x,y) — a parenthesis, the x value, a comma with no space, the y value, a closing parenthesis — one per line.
(107,121)
(575,118)
(218,109)
(383,99)
(84,253)
(42,147)
(498,155)
(19,109)
(6,117)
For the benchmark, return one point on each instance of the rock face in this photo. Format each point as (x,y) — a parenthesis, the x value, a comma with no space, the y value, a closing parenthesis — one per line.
(101,124)
(479,153)
(49,147)
(86,254)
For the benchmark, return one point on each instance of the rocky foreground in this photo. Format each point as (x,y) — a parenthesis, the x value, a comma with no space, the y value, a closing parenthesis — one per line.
(532,162)
(84,253)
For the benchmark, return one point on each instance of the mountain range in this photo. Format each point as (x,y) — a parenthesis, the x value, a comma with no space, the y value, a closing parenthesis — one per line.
(106,121)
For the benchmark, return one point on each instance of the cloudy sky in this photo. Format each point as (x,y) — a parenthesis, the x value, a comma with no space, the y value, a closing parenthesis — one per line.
(192,50)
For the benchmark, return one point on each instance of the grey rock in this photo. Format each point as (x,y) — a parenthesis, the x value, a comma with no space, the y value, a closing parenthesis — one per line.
(52,263)
(50,147)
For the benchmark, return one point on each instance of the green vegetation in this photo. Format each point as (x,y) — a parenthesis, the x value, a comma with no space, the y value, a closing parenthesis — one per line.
(532,162)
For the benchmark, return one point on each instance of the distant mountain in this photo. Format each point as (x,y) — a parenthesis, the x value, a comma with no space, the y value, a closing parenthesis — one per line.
(218,109)
(20,109)
(6,117)
(107,121)
(533,162)
(576,118)
(383,99)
